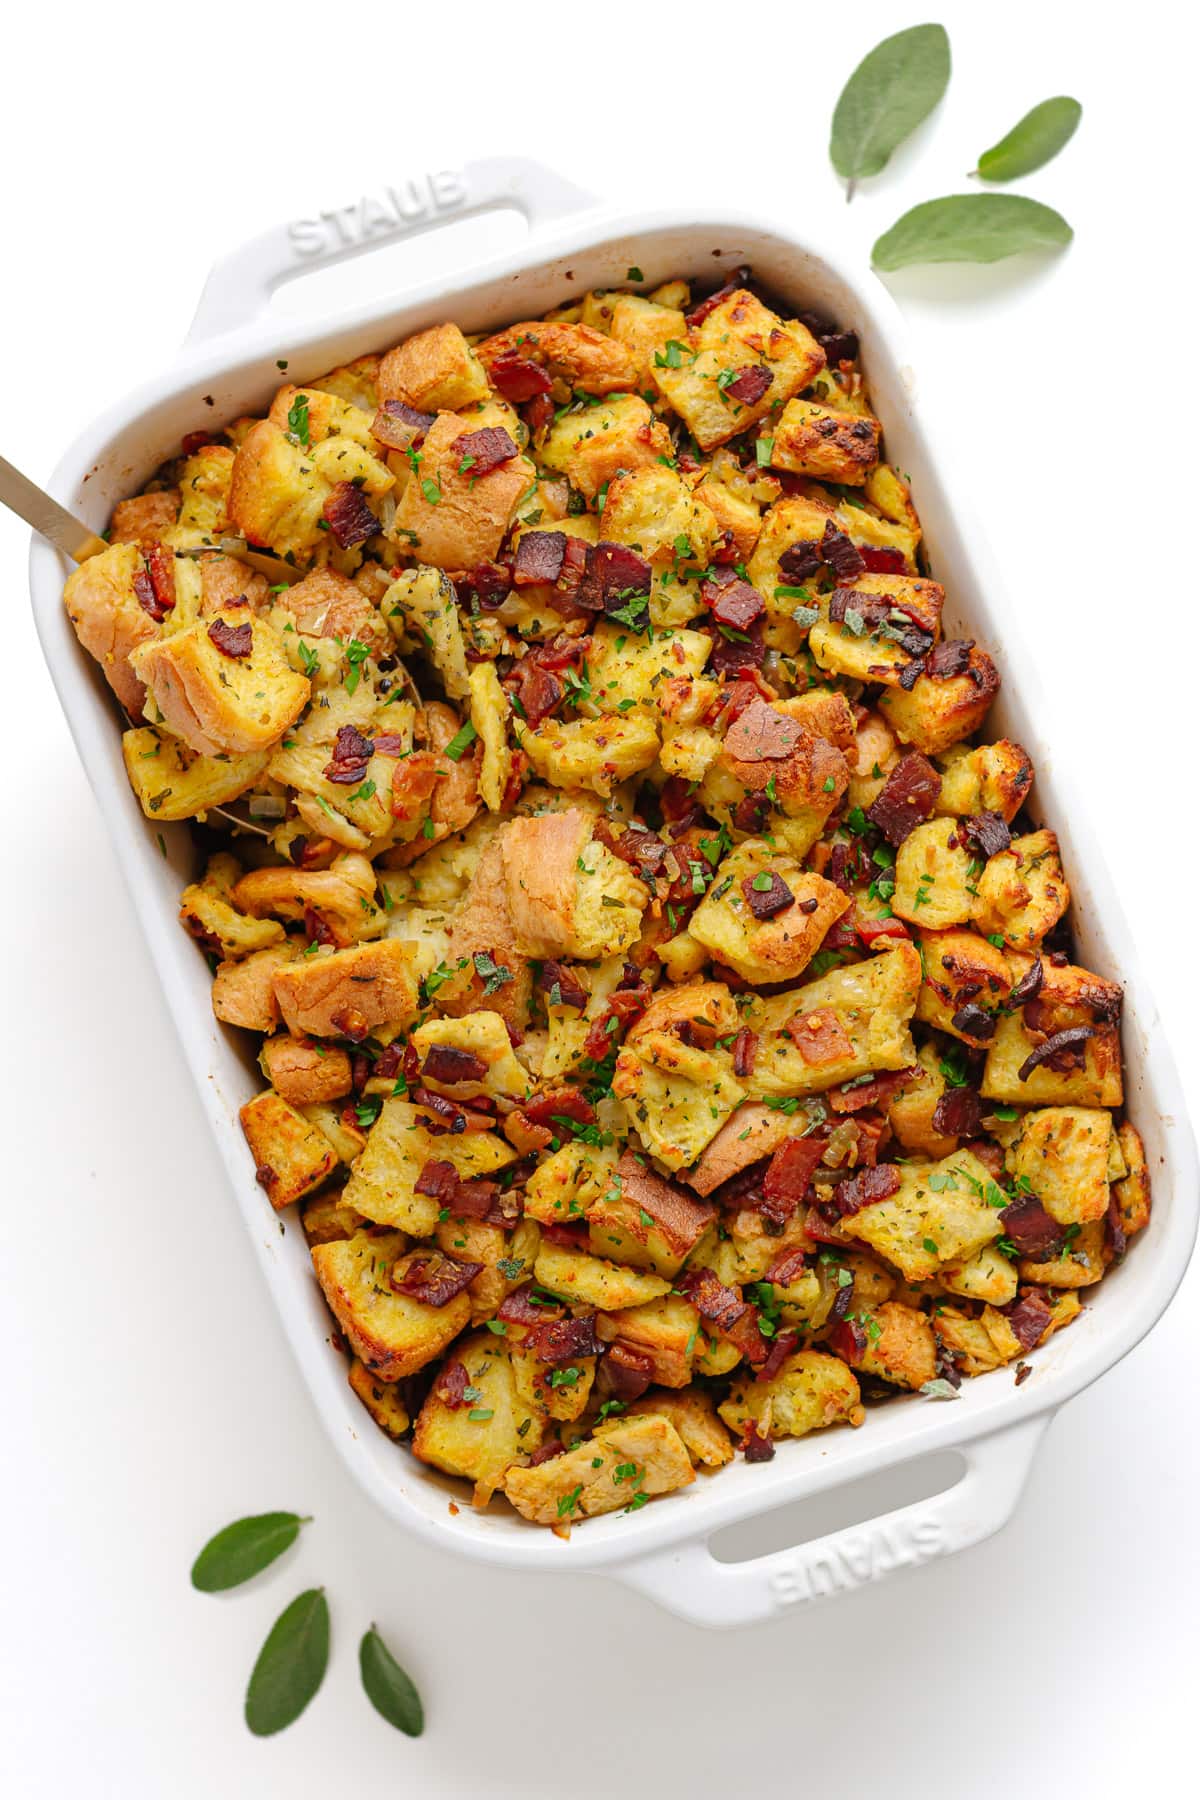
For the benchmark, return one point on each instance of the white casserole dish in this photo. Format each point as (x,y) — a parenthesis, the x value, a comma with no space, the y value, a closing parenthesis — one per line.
(229,367)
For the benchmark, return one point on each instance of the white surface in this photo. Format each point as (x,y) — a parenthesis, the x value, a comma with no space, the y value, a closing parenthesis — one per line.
(150,1395)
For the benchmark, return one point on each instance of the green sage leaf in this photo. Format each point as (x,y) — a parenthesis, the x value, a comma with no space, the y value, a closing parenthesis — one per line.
(243,1548)
(389,1689)
(893,88)
(940,1389)
(1032,142)
(980,228)
(290,1666)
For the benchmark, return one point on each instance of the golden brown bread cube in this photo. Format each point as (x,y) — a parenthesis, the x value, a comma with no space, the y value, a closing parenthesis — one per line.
(749,1134)
(434,371)
(810,1392)
(1063,1155)
(223,685)
(962,969)
(109,619)
(344,993)
(304,1072)
(1133,1190)
(207,911)
(582,356)
(325,1217)
(825,442)
(567,893)
(1091,1076)
(291,1157)
(243,992)
(987,777)
(941,1213)
(450,517)
(777,948)
(382,1399)
(644,1221)
(481,1436)
(277,492)
(737,365)
(693,1413)
(867,648)
(392,1334)
(626,1461)
(845,1023)
(939,711)
(382,1185)
(593,446)
(900,1345)
(937,877)
(144,518)
(587,1280)
(666,1330)
(1023,892)
(172,782)
(1080,1263)
(592,755)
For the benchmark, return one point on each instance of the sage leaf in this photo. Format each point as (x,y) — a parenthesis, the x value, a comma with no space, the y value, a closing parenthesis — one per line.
(243,1548)
(290,1666)
(1033,141)
(893,88)
(940,1389)
(389,1689)
(979,228)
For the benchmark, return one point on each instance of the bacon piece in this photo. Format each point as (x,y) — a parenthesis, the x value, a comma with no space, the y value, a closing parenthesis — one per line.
(1033,1232)
(906,798)
(452,1383)
(680,808)
(870,929)
(724,1308)
(745,1051)
(553,1105)
(518,378)
(480,452)
(625,1005)
(539,557)
(974,1021)
(953,657)
(800,561)
(194,440)
(882,559)
(413,781)
(989,832)
(733,602)
(570,990)
(699,313)
(519,1308)
(234,641)
(864,1189)
(571,1237)
(765,901)
(733,656)
(1053,1047)
(487,585)
(562,1340)
(819,1036)
(348,516)
(839,554)
(848,1339)
(450,1116)
(749,384)
(400,427)
(317,929)
(538,691)
(447,1064)
(1028,1317)
(754,1446)
(958,1113)
(788,1177)
(638,846)
(782,1345)
(351,754)
(784,1270)
(1030,984)
(161,565)
(614,576)
(435,1279)
(863,1094)
(628,1372)
(762,734)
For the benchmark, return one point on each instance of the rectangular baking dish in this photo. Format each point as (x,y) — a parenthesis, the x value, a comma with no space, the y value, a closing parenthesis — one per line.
(229,366)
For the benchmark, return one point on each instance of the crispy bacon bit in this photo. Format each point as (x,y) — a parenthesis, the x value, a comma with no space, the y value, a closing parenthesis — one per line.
(625,1005)
(870,929)
(860,1095)
(989,832)
(1028,1317)
(749,384)
(553,1105)
(435,1279)
(546,1452)
(143,587)
(911,673)
(906,798)
(839,346)
(1030,984)
(754,1446)
(539,557)
(882,559)
(562,1340)
(734,656)
(974,1021)
(788,1178)
(614,577)
(733,602)
(958,1113)
(389,743)
(349,518)
(316,928)
(699,313)
(1053,1047)
(161,563)
(464,1199)
(786,1268)
(520,1308)
(193,441)
(400,427)
(538,691)
(765,902)
(638,846)
(1031,1229)
(447,1064)
(413,781)
(800,561)
(561,986)
(486,585)
(848,1339)
(1114,1229)
(627,1372)
(819,1036)
(864,1189)
(232,640)
(782,1345)
(745,1051)
(950,658)
(480,452)
(839,554)
(518,378)
(452,1384)
(351,754)
(761,734)
(722,1306)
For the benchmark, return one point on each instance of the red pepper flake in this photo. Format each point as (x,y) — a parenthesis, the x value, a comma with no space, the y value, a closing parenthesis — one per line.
(906,798)
(447,1064)
(480,452)
(749,384)
(435,1279)
(232,640)
(518,378)
(349,518)
(767,894)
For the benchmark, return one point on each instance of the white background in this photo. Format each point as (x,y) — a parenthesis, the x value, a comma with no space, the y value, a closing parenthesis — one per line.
(148,1395)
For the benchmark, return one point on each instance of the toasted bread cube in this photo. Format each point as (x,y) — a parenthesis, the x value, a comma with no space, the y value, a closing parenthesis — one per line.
(207,910)
(1096,1082)
(562,1391)
(343,896)
(480,1438)
(567,892)
(577,353)
(793,520)
(676,1095)
(449,516)
(110,621)
(912,1107)
(434,371)
(422,603)
(382,1185)
(628,1459)
(694,1416)
(243,992)
(382,1399)
(567,1182)
(702,377)
(900,1346)
(326,1218)
(668,1331)
(1132,1191)
(961,969)
(392,1334)
(939,711)
(587,1280)
(811,1391)
(749,1134)
(625,666)
(774,949)
(870,1002)
(941,1213)
(866,652)
(483,926)
(825,442)
(303,1072)
(1023,892)
(738,516)
(145,518)
(641,1220)
(593,446)
(219,702)
(1080,1263)
(988,1275)
(327,606)
(1063,1155)
(482,1034)
(277,493)
(291,1157)
(989,777)
(937,877)
(172,782)
(594,755)
(971,1346)
(643,326)
(489,715)
(652,509)
(344,993)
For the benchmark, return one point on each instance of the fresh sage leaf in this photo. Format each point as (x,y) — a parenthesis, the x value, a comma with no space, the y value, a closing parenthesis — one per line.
(1032,142)
(389,1689)
(980,228)
(290,1666)
(940,1389)
(243,1548)
(893,88)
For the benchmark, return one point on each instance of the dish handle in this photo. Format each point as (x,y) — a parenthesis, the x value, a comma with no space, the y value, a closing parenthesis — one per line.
(240,286)
(690,1582)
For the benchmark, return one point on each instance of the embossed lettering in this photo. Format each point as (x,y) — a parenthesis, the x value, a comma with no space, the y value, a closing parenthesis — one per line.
(856,1559)
(391,214)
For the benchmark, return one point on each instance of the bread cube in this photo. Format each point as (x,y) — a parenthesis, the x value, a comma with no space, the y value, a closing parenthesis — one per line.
(641,1220)
(568,1181)
(173,782)
(626,1460)
(668,1331)
(576,353)
(392,1334)
(1063,1155)
(676,1095)
(343,896)
(434,371)
(483,926)
(421,603)
(482,1437)
(938,711)
(749,1134)
(865,1006)
(277,493)
(110,620)
(208,912)
(1080,1263)
(941,1213)
(586,1280)
(912,1107)
(987,777)
(937,876)
(1132,1191)
(805,779)
(854,647)
(326,1218)
(738,516)
(291,1157)
(736,366)
(303,1072)
(967,1340)
(382,1399)
(481,1034)
(624,666)
(144,518)
(328,605)
(989,1275)
(223,685)
(347,993)
(694,1416)
(900,1346)
(652,509)
(825,442)
(594,445)
(447,515)
(383,1181)
(811,1391)
(594,755)
(243,992)
(1023,892)
(961,969)
(771,949)
(567,892)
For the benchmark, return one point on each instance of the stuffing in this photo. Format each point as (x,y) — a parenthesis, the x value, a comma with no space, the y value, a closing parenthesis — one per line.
(593,445)
(384,1182)
(624,1463)
(345,993)
(940,710)
(846,1023)
(825,442)
(737,365)
(173,782)
(450,515)
(434,371)
(110,619)
(1063,1156)
(391,1333)
(303,1072)
(810,1392)
(223,685)
(291,1158)
(764,916)
(567,893)
(939,1213)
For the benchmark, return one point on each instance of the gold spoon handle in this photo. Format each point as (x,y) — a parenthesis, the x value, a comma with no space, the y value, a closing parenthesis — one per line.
(31,503)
